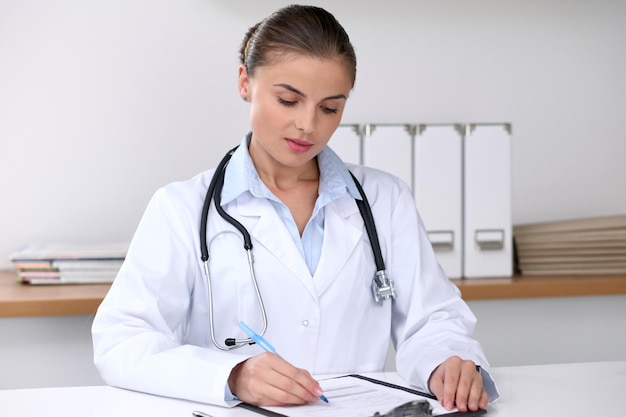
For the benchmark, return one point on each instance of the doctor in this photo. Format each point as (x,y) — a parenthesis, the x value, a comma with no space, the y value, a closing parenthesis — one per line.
(162,327)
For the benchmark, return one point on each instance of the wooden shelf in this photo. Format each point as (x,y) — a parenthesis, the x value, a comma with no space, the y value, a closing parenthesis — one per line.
(20,300)
(540,286)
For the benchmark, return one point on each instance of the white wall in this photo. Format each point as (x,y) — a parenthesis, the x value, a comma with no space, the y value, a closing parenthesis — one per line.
(38,352)
(552,330)
(101,102)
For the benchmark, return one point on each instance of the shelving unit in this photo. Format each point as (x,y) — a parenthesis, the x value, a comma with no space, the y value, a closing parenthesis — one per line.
(540,286)
(19,300)
(22,300)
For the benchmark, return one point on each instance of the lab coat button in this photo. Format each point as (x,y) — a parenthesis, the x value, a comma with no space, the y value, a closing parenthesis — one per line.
(305,323)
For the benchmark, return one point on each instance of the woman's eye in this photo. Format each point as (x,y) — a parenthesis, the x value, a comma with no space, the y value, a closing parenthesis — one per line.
(325,109)
(286,102)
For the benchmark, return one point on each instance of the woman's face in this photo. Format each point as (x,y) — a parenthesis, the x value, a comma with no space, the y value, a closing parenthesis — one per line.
(296,105)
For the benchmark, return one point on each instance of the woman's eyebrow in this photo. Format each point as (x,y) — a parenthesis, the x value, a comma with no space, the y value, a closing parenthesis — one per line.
(301,94)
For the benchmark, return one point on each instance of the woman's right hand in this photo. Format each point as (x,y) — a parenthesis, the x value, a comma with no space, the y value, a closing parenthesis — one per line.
(269,380)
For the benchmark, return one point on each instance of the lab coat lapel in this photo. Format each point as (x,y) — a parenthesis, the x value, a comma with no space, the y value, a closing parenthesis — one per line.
(270,231)
(340,238)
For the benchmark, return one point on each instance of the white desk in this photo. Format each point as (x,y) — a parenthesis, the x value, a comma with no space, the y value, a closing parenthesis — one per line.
(572,390)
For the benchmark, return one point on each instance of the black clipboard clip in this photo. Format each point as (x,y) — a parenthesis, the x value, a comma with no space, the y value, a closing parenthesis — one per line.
(422,408)
(415,408)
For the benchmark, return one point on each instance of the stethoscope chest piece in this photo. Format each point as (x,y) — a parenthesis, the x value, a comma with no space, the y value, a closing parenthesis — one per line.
(383,287)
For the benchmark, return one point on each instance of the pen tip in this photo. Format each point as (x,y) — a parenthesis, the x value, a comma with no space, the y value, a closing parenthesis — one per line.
(323,398)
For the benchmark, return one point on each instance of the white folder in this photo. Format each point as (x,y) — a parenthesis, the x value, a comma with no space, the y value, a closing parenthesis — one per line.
(389,148)
(487,201)
(438,192)
(346,142)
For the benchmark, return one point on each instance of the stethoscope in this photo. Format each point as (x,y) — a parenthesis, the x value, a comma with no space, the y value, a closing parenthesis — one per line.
(382,286)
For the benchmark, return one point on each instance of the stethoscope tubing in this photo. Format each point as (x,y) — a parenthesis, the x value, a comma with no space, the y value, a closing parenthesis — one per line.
(370,226)
(204,249)
(232,343)
(214,193)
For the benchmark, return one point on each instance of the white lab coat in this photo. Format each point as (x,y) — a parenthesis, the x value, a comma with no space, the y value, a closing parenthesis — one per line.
(152,331)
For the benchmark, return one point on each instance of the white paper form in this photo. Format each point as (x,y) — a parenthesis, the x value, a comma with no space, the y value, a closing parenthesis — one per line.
(352,397)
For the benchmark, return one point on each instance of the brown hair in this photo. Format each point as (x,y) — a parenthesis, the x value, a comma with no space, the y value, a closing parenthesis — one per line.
(307,30)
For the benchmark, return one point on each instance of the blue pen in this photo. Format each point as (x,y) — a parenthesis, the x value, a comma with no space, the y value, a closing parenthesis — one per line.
(259,340)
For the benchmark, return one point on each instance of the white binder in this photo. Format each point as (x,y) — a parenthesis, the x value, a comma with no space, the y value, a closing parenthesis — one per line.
(438,192)
(487,201)
(346,142)
(389,148)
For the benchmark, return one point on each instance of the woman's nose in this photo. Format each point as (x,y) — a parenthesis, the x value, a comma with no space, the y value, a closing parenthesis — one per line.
(305,122)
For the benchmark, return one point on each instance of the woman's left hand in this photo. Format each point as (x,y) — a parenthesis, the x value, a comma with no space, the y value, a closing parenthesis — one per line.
(457,382)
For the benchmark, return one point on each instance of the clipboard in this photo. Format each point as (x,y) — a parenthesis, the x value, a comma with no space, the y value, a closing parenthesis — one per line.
(390,385)
(260,410)
(273,413)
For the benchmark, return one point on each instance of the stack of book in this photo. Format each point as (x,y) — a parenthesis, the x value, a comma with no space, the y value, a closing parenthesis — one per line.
(68,264)
(572,247)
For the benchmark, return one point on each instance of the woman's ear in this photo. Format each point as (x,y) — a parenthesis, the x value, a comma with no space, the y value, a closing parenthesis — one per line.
(243,83)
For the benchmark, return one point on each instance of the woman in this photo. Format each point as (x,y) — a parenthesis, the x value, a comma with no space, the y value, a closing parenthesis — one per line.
(313,259)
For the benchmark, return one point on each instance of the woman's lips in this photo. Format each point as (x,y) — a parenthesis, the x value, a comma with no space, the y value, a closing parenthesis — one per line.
(298,145)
